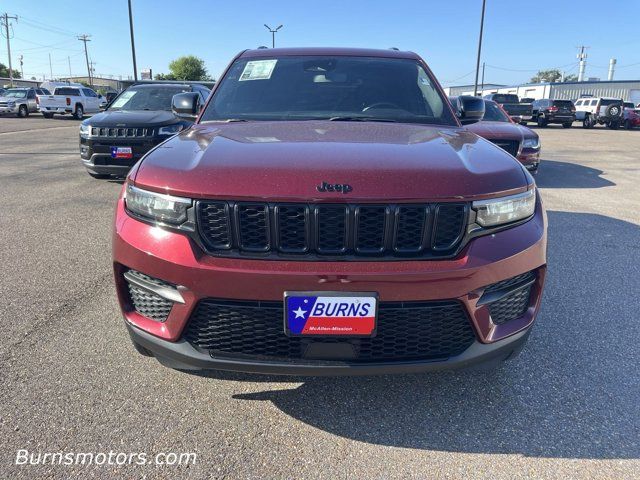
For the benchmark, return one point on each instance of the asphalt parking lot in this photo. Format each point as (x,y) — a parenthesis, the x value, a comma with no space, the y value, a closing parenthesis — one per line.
(568,407)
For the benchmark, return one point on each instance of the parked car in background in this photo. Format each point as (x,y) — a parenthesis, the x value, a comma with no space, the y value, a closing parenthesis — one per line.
(51,85)
(74,101)
(518,111)
(546,111)
(103,101)
(137,120)
(592,111)
(2,90)
(20,101)
(631,116)
(518,140)
(328,215)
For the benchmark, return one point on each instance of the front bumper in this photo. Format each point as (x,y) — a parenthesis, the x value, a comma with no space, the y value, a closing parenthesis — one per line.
(9,110)
(96,153)
(175,258)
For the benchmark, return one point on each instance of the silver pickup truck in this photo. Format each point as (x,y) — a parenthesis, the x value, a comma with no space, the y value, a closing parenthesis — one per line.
(75,101)
(20,101)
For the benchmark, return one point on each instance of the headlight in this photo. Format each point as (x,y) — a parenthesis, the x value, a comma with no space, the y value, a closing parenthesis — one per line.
(531,143)
(170,129)
(84,129)
(156,206)
(498,211)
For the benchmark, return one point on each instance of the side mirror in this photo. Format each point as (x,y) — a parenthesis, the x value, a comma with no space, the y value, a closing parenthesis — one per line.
(470,109)
(186,105)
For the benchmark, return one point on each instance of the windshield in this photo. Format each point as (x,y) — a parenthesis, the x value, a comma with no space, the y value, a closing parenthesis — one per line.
(16,93)
(493,113)
(608,101)
(146,98)
(328,88)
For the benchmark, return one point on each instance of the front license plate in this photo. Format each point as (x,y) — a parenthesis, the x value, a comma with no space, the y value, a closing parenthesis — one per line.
(335,314)
(121,152)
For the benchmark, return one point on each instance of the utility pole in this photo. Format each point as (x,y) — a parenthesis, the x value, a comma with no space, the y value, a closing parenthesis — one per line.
(482,87)
(69,60)
(273,34)
(85,38)
(133,45)
(582,56)
(21,64)
(7,17)
(50,69)
(93,70)
(475,85)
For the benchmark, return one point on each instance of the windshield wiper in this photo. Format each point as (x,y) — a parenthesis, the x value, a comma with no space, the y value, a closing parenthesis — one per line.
(360,119)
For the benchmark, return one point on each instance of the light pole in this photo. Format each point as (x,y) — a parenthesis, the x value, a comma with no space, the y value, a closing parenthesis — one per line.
(475,86)
(133,44)
(273,34)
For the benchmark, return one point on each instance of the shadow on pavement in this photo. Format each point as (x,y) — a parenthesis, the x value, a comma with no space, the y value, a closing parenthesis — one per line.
(554,174)
(572,393)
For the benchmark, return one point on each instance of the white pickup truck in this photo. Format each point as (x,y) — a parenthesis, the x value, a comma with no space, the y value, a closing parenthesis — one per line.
(69,100)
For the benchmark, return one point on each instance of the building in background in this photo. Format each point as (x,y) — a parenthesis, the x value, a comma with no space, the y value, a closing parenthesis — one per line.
(628,90)
(146,74)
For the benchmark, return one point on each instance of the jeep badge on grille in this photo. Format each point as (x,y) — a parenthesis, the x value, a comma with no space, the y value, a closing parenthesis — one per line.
(334,187)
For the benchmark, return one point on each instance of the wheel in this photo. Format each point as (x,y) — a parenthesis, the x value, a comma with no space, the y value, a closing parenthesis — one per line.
(99,175)
(566,125)
(614,125)
(541,121)
(47,115)
(588,122)
(523,122)
(79,113)
(23,111)
(628,125)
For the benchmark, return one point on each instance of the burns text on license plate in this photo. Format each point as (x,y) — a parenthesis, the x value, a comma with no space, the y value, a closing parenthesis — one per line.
(331,314)
(121,152)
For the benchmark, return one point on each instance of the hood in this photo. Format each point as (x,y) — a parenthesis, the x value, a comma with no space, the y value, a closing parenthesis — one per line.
(136,118)
(287,160)
(9,99)
(501,130)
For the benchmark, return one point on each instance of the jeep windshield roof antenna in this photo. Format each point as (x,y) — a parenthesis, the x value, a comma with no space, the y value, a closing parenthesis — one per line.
(475,85)
(273,34)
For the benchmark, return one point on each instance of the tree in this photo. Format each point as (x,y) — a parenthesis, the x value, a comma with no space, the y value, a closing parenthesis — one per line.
(186,68)
(4,71)
(553,75)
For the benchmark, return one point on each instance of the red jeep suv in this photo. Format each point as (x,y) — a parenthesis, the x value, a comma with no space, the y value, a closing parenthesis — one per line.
(328,214)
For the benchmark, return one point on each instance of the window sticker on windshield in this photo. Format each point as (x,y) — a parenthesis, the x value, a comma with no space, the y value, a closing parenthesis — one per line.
(258,70)
(124,98)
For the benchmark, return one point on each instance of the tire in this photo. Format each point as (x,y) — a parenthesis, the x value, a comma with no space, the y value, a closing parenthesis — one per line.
(23,111)
(47,115)
(541,122)
(566,125)
(78,114)
(100,176)
(628,125)
(588,122)
(614,125)
(613,111)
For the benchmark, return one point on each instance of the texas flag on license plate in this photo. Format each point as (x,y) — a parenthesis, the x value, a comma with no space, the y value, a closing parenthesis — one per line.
(335,315)
(121,152)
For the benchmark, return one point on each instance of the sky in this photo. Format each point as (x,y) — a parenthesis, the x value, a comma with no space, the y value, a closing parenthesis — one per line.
(520,37)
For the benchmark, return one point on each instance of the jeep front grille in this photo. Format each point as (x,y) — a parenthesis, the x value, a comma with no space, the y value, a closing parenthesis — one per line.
(509,146)
(120,132)
(323,231)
